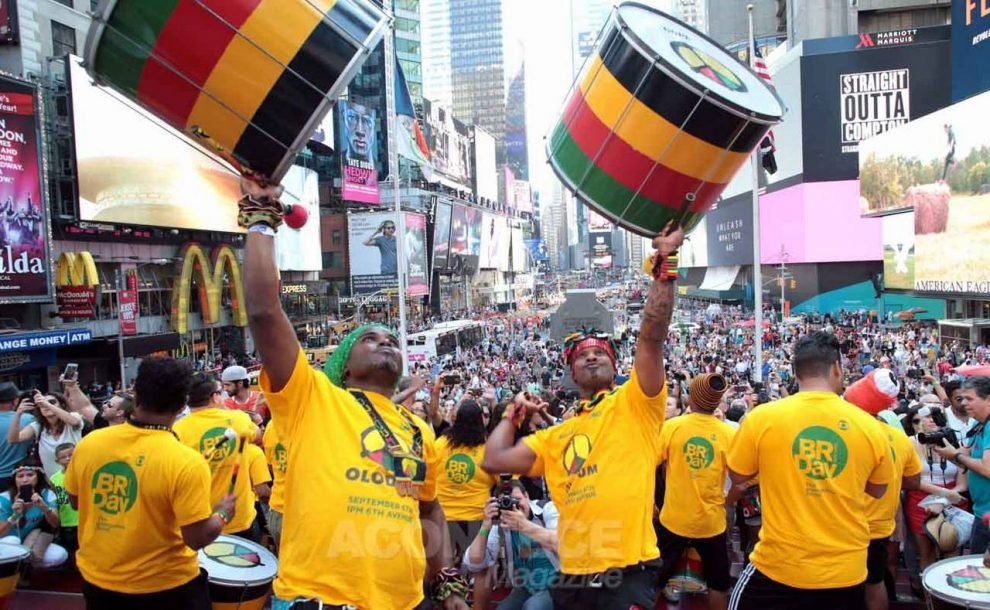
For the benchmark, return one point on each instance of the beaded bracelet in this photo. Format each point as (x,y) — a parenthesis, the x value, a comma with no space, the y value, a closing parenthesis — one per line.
(447,582)
(665,267)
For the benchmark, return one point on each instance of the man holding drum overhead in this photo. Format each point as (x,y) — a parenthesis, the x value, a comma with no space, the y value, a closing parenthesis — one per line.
(600,464)
(144,503)
(361,526)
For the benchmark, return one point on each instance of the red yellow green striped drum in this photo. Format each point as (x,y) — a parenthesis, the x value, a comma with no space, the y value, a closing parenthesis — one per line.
(689,575)
(249,80)
(658,122)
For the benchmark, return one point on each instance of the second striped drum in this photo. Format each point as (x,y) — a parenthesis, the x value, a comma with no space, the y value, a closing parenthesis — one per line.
(658,122)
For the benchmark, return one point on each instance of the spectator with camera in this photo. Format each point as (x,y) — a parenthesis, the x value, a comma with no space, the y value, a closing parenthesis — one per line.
(925,423)
(527,533)
(54,424)
(975,398)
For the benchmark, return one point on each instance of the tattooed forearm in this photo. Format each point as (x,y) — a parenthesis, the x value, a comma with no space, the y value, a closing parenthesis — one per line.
(657,313)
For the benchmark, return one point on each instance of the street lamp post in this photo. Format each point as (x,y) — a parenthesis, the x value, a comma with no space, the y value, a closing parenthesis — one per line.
(120,325)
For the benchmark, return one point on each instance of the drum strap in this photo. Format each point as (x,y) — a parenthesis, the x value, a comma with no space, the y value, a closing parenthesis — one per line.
(408,467)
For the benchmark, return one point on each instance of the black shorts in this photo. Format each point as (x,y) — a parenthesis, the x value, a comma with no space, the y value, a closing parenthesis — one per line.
(876,561)
(194,595)
(632,588)
(756,591)
(714,558)
(462,534)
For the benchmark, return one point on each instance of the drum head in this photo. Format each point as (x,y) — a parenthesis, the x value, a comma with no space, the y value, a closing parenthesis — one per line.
(699,61)
(13,552)
(233,560)
(960,580)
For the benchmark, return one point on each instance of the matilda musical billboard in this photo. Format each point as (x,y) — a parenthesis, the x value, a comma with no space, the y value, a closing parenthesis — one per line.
(25,269)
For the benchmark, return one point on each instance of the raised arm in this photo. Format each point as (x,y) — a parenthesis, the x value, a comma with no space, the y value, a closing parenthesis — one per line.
(274,337)
(77,401)
(656,318)
(501,453)
(15,434)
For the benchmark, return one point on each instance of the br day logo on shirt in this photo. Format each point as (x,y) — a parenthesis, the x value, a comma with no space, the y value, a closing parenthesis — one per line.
(819,453)
(210,439)
(459,468)
(115,488)
(698,453)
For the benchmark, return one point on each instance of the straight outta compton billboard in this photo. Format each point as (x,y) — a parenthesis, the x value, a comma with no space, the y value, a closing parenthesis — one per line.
(857,87)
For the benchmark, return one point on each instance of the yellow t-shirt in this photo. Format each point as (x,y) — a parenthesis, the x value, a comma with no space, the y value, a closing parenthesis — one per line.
(202,430)
(347,535)
(881,513)
(136,488)
(278,457)
(694,447)
(815,454)
(257,467)
(462,486)
(600,469)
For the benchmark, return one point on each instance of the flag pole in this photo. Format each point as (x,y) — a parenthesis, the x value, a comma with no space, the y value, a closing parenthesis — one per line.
(400,225)
(757,368)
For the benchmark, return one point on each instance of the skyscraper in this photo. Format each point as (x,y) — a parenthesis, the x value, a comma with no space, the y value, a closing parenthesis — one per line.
(694,13)
(516,149)
(435,28)
(477,66)
(408,46)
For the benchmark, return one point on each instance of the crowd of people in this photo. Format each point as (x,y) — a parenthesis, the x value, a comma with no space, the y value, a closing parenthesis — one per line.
(590,472)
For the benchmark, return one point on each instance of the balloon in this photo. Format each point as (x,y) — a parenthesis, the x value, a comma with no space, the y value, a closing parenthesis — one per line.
(296,216)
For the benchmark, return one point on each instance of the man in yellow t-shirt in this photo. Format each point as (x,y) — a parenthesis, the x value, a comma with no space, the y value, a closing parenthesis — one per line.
(203,430)
(367,470)
(818,458)
(144,503)
(693,447)
(600,465)
(277,456)
(874,393)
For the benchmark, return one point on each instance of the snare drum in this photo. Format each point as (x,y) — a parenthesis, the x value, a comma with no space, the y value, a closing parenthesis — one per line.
(688,575)
(240,573)
(249,80)
(11,558)
(960,582)
(658,122)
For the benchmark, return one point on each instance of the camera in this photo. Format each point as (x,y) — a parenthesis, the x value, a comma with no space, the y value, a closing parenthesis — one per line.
(915,373)
(936,437)
(504,496)
(451,379)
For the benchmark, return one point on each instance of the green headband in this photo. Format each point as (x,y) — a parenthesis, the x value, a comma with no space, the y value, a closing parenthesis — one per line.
(337,362)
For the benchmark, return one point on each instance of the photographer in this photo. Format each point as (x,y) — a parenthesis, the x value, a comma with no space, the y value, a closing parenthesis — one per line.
(530,546)
(975,398)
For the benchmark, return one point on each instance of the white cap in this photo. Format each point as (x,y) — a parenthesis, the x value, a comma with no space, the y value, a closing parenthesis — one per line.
(234,373)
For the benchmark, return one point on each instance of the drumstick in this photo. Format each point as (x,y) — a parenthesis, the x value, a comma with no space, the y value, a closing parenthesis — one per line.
(237,466)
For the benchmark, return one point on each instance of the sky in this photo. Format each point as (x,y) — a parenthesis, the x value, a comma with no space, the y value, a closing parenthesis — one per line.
(538,31)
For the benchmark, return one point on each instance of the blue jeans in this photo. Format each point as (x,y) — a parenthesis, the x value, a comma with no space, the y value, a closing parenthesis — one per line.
(980,538)
(520,599)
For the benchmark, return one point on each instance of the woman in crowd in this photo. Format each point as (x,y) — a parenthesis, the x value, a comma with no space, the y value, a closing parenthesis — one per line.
(29,516)
(54,425)
(939,477)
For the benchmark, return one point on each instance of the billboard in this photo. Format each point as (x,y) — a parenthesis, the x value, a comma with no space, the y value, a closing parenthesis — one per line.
(947,146)
(441,235)
(970,48)
(300,250)
(25,261)
(597,222)
(518,250)
(494,242)
(373,252)
(730,232)
(465,239)
(898,251)
(359,176)
(449,141)
(417,270)
(8,22)
(852,95)
(600,249)
(486,172)
(503,243)
(694,252)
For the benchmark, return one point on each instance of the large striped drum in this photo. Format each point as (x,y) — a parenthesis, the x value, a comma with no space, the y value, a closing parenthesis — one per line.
(658,122)
(247,79)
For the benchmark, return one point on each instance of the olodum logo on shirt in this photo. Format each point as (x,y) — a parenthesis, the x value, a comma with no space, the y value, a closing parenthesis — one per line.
(115,488)
(819,453)
(576,456)
(459,468)
(698,453)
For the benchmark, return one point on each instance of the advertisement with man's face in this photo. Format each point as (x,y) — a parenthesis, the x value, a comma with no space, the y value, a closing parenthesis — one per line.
(25,264)
(939,168)
(872,87)
(373,250)
(359,175)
